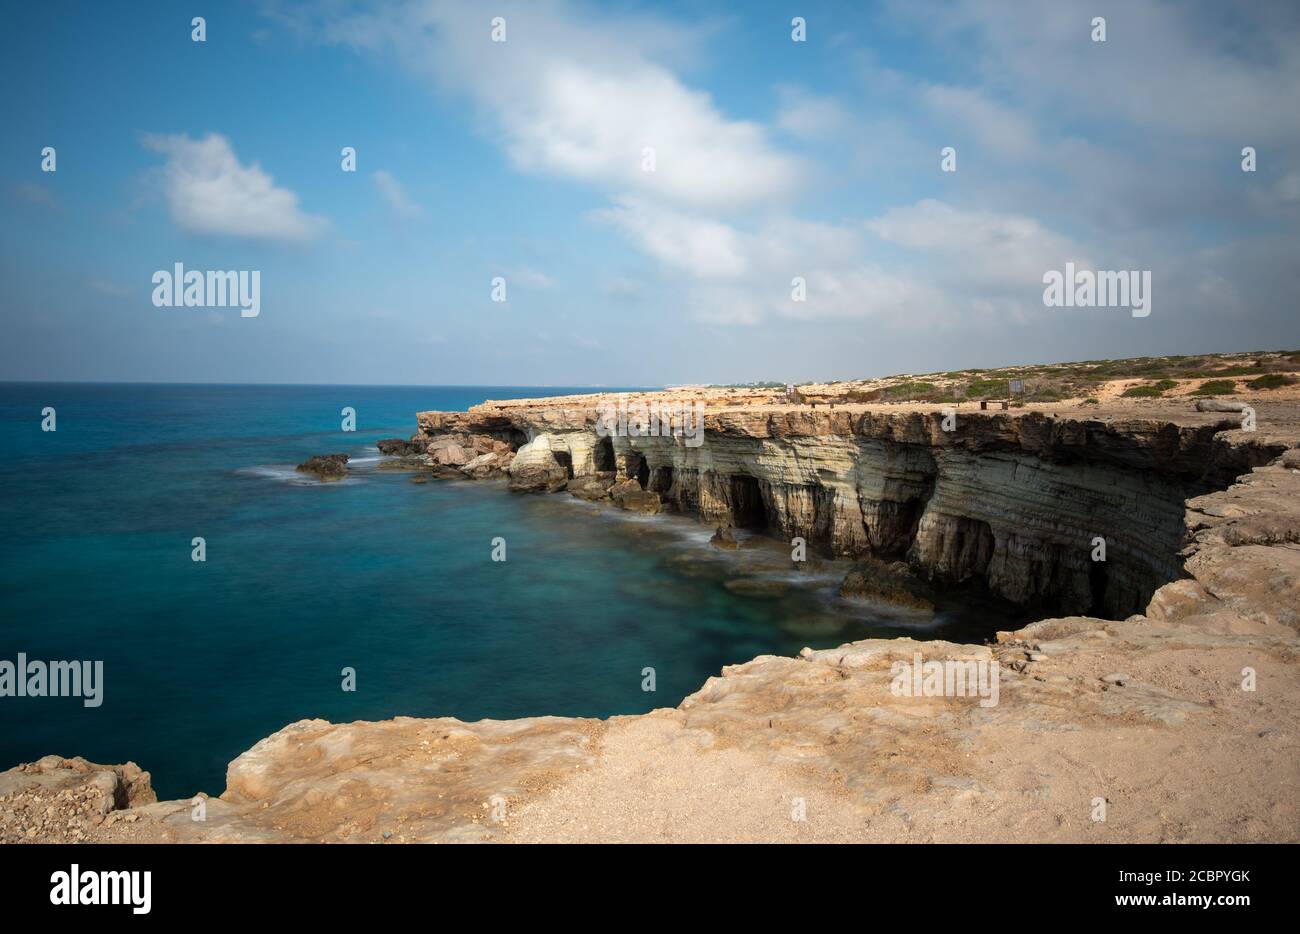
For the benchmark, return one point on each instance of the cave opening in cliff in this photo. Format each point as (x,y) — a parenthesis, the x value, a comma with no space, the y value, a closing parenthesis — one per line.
(565,460)
(1097,582)
(661,480)
(635,467)
(748,510)
(603,455)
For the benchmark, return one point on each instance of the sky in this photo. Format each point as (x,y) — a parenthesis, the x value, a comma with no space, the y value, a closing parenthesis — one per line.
(671,192)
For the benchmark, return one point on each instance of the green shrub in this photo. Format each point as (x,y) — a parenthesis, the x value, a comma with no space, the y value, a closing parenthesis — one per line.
(1271,381)
(1216,387)
(993,388)
(1091,400)
(1143,392)
(915,390)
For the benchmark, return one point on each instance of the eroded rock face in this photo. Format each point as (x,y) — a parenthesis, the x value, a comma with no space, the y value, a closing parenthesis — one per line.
(536,470)
(1019,502)
(486,466)
(592,488)
(628,494)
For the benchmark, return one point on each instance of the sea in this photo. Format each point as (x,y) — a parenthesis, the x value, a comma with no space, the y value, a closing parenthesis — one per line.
(374,583)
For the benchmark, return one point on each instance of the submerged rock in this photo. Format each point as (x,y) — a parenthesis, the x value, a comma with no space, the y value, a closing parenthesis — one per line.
(758,587)
(889,583)
(325,467)
(724,537)
(397,447)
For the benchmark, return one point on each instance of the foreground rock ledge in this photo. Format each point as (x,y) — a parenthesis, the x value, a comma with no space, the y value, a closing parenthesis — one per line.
(1148,714)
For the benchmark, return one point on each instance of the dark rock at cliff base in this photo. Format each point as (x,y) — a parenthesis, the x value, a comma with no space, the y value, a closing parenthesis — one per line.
(763,588)
(397,447)
(1218,405)
(724,537)
(537,479)
(450,455)
(627,494)
(592,488)
(486,466)
(536,471)
(889,583)
(326,466)
(642,501)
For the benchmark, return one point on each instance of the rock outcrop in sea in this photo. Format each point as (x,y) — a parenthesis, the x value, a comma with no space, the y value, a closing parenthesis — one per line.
(325,467)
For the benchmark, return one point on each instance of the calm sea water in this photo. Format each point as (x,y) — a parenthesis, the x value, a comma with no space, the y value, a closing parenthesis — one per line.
(377,573)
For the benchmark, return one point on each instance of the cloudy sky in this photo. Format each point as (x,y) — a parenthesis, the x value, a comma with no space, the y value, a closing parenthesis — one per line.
(527,160)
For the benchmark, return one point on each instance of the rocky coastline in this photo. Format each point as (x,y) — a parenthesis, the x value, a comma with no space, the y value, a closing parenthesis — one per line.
(1184,650)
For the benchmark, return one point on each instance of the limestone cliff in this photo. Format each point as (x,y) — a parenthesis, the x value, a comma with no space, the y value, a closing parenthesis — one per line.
(1016,501)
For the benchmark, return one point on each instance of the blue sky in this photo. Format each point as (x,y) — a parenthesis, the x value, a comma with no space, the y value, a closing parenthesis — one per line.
(524,159)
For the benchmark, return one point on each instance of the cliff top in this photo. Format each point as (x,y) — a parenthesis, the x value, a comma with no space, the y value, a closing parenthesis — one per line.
(1159,388)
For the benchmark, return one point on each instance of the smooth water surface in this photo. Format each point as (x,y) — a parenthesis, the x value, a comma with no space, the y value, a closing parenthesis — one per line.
(377,573)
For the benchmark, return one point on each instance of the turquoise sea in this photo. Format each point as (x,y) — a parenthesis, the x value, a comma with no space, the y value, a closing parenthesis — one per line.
(389,577)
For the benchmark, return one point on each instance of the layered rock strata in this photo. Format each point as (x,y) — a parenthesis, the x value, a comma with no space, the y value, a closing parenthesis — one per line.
(1021,503)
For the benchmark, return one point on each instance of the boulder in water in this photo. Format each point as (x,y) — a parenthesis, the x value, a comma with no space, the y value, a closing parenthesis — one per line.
(326,467)
(889,583)
(724,537)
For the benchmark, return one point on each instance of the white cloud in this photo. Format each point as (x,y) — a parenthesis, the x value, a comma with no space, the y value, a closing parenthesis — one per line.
(980,247)
(956,263)
(579,94)
(738,277)
(703,248)
(530,278)
(992,125)
(395,195)
(1162,66)
(209,192)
